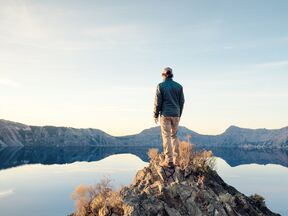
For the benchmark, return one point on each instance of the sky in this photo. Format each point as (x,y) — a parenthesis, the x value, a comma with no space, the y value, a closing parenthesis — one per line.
(96,64)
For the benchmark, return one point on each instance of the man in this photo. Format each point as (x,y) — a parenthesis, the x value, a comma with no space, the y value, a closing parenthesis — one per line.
(168,103)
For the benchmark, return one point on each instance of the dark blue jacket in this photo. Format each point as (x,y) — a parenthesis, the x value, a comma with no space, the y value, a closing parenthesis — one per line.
(169,99)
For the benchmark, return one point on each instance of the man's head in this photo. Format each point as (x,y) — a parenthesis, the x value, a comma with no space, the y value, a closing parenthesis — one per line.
(167,73)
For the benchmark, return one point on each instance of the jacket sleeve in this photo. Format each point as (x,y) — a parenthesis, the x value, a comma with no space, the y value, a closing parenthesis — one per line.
(182,100)
(158,102)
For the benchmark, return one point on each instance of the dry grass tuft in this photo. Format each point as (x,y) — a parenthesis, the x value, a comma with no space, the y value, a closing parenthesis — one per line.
(203,161)
(185,154)
(260,200)
(100,199)
(153,153)
(108,203)
(200,161)
(83,196)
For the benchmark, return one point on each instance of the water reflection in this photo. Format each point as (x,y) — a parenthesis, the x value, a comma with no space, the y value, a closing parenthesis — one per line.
(46,189)
(11,157)
(37,189)
(270,181)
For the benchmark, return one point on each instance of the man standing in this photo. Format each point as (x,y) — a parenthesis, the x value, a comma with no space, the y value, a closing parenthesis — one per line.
(168,103)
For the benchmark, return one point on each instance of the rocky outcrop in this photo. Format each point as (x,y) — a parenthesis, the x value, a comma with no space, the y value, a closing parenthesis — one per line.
(191,188)
(175,192)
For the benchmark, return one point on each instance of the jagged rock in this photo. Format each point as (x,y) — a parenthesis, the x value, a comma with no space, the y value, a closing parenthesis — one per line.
(178,192)
(161,191)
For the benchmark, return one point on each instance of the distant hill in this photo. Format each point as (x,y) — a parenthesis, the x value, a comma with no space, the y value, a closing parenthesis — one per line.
(232,137)
(18,134)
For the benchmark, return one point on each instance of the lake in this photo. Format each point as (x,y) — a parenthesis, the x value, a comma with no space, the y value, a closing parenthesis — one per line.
(40,181)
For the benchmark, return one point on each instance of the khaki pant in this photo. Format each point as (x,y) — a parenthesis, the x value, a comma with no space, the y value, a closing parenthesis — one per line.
(169,128)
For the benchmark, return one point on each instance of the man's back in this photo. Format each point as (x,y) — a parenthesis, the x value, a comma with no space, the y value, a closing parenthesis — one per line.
(168,103)
(169,99)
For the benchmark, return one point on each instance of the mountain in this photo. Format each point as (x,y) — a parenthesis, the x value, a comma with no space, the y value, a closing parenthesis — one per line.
(18,134)
(235,136)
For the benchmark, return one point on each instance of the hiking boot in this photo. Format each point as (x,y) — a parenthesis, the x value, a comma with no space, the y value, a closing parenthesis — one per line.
(167,165)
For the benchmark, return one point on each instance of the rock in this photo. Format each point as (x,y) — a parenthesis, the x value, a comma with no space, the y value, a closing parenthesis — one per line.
(179,192)
(161,191)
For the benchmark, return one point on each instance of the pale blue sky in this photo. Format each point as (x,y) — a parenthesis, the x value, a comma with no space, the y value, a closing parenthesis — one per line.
(97,63)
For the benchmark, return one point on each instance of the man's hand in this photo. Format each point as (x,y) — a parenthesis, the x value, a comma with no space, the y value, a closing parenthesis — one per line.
(156,120)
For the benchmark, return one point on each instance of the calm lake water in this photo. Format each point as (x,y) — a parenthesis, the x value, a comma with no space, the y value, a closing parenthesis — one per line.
(39,181)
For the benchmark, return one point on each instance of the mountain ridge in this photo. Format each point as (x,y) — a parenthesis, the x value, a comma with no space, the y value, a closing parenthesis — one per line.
(19,134)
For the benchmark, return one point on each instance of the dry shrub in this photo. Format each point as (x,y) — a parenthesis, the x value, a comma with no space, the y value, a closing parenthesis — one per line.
(260,200)
(200,161)
(185,154)
(100,199)
(152,153)
(83,196)
(108,202)
(203,161)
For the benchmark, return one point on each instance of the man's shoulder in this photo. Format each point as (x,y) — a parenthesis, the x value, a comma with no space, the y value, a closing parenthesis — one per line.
(165,83)
(177,84)
(161,84)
